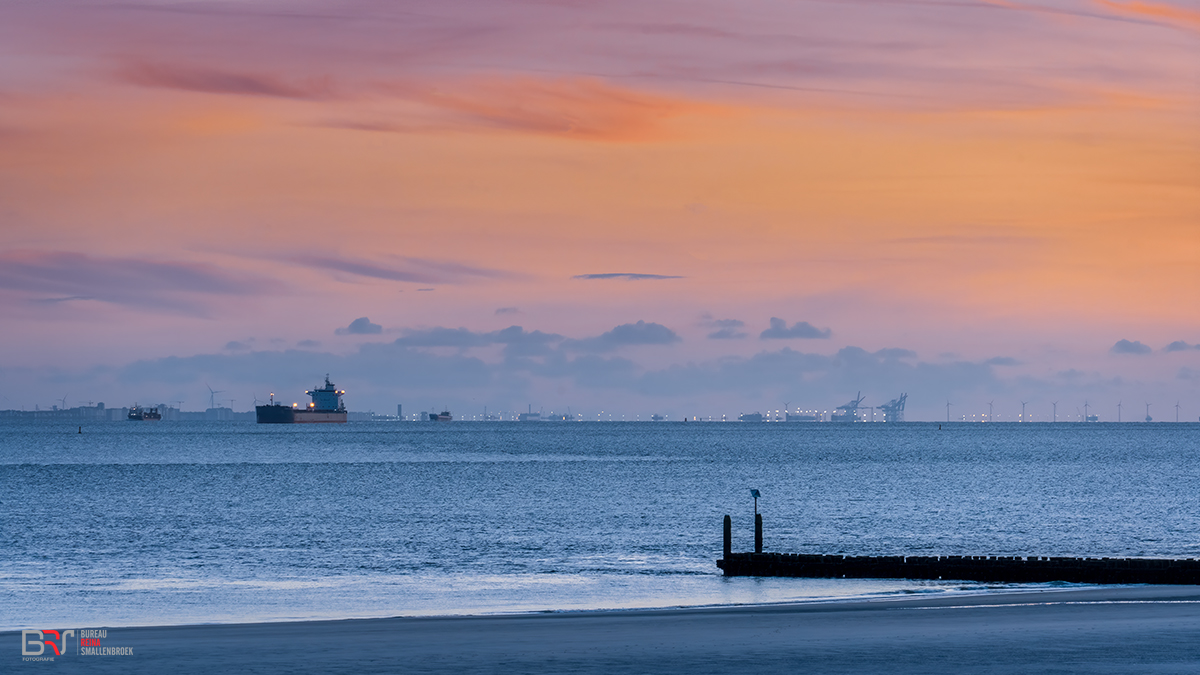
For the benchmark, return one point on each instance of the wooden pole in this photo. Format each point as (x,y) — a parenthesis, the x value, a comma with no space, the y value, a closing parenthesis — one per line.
(728,537)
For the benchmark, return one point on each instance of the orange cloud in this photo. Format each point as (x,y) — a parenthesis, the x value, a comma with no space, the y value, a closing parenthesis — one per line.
(581,108)
(1177,15)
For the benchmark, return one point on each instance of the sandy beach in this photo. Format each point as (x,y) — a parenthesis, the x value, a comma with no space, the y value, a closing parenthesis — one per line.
(1092,630)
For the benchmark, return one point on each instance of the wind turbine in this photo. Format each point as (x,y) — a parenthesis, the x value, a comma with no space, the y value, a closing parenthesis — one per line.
(1055,404)
(947,411)
(990,410)
(1148,417)
(1022,411)
(212,395)
(1085,411)
(1119,411)
(64,403)
(1176,410)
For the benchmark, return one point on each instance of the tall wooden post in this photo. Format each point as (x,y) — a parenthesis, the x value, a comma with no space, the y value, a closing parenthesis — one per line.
(758,533)
(728,537)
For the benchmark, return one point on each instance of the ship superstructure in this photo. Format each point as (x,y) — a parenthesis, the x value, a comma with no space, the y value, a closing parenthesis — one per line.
(326,407)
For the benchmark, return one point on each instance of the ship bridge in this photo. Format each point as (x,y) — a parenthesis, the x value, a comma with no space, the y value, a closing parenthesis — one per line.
(327,398)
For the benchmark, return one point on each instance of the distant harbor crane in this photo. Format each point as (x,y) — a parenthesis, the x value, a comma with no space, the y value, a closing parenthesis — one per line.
(847,412)
(893,410)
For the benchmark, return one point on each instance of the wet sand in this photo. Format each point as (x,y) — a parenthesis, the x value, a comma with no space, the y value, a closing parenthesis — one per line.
(1094,630)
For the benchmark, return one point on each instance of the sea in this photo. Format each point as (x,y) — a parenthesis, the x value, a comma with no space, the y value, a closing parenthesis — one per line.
(167,523)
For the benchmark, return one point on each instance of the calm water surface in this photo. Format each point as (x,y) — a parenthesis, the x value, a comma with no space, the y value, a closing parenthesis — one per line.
(167,523)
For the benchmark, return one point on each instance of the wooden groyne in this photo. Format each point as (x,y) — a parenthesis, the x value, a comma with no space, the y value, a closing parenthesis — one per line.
(1012,569)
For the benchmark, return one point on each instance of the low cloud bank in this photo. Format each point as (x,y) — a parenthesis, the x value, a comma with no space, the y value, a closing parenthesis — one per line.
(360,326)
(1127,347)
(726,329)
(1179,346)
(779,330)
(407,370)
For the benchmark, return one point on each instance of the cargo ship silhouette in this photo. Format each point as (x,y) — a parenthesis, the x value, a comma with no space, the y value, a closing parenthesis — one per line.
(139,414)
(326,408)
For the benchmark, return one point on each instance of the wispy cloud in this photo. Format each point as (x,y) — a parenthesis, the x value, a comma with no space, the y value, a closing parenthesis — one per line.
(583,108)
(55,301)
(219,81)
(628,276)
(969,240)
(1169,13)
(135,282)
(414,270)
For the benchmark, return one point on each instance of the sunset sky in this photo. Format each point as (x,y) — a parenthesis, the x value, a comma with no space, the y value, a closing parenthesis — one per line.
(689,208)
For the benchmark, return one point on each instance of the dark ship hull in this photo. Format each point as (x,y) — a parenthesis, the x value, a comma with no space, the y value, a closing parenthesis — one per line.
(275,414)
(280,414)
